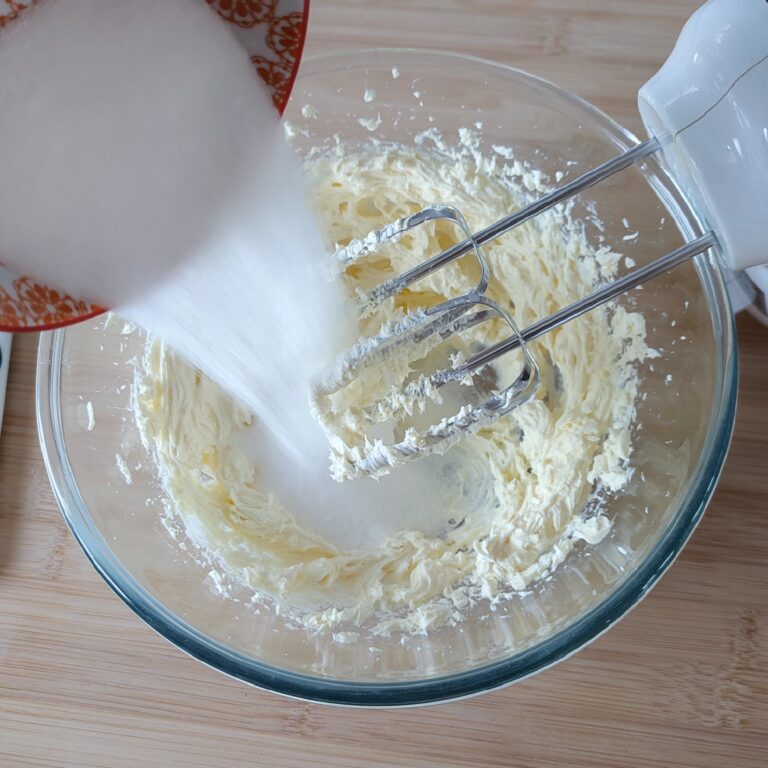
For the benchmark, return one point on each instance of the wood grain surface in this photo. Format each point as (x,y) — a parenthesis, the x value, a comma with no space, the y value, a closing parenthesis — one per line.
(682,681)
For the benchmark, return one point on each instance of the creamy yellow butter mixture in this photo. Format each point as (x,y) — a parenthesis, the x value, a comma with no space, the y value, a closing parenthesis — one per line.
(545,460)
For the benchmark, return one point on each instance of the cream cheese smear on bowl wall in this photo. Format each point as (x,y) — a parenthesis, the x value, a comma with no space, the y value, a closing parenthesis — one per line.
(246,309)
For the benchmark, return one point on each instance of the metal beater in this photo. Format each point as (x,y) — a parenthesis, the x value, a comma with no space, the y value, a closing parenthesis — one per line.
(706,111)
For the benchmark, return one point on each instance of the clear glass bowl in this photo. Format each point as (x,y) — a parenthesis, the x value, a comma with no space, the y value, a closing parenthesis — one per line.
(684,421)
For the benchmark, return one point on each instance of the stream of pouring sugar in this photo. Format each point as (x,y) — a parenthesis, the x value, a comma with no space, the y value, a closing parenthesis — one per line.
(143,167)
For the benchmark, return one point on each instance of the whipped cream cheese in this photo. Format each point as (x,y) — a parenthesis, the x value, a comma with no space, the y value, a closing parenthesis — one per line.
(545,461)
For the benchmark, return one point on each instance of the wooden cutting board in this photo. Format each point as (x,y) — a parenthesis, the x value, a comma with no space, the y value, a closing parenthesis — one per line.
(682,681)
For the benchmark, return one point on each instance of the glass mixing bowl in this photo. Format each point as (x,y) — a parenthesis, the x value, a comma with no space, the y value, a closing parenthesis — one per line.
(684,419)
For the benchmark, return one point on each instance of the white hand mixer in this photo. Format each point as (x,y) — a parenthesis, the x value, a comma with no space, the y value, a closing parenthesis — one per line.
(706,111)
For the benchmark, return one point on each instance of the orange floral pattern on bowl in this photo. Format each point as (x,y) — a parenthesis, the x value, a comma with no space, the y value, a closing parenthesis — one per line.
(273,32)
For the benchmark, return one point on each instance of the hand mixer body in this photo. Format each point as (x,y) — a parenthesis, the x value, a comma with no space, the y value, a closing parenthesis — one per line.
(707,112)
(709,106)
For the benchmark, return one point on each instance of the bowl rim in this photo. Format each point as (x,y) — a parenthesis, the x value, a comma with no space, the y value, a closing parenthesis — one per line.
(464,684)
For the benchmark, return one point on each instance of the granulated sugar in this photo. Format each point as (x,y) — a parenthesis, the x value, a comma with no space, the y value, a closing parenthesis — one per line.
(142,166)
(150,172)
